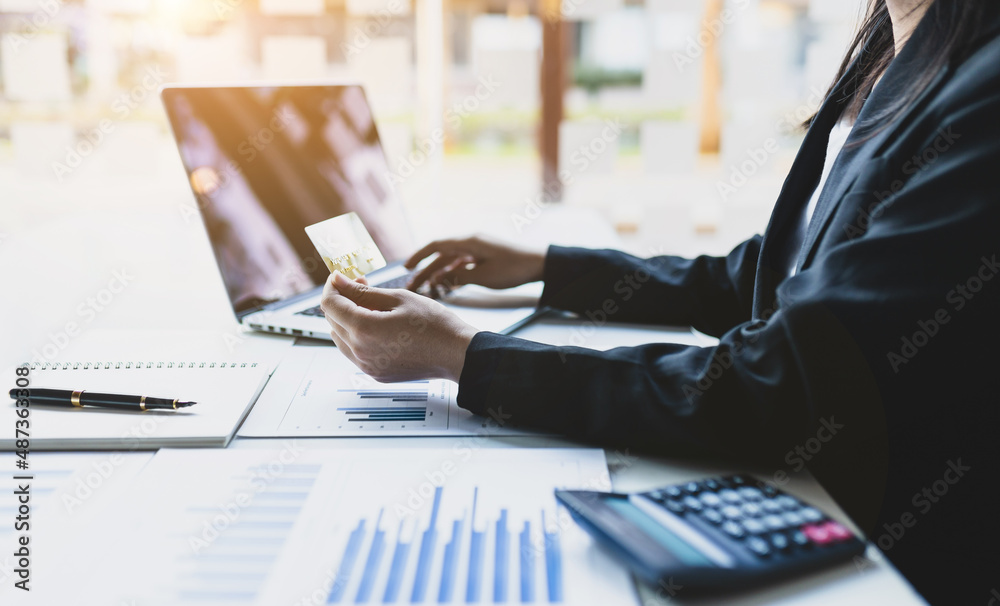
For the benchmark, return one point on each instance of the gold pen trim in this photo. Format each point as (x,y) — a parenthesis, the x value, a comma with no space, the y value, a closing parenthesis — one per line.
(142,403)
(75,398)
(175,404)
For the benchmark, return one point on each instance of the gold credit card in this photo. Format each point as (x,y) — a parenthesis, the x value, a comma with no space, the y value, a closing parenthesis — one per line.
(346,246)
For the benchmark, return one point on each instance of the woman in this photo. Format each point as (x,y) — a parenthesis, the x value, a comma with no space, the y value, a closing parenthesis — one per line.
(864,320)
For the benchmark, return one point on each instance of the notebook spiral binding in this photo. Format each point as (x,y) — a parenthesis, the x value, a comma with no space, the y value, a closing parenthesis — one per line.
(137,365)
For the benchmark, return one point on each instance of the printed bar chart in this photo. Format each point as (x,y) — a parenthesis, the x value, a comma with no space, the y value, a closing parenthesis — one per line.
(229,559)
(372,563)
(505,586)
(358,415)
(329,397)
(303,526)
(376,402)
(396,570)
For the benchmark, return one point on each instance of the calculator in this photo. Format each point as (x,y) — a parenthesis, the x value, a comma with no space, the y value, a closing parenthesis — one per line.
(717,533)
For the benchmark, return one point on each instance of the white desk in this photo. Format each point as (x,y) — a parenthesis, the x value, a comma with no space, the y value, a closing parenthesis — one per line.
(55,263)
(875,582)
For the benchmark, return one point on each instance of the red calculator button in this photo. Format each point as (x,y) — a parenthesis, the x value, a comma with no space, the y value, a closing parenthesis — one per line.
(837,531)
(819,535)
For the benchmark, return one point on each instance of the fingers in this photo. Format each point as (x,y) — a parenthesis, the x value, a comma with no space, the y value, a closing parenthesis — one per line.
(342,331)
(459,272)
(464,246)
(338,308)
(442,261)
(437,246)
(360,295)
(344,348)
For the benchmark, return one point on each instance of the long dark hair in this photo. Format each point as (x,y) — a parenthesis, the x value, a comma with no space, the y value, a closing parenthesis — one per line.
(952,34)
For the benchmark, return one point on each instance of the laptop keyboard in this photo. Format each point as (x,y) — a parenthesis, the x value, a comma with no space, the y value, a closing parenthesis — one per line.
(312,311)
(399,282)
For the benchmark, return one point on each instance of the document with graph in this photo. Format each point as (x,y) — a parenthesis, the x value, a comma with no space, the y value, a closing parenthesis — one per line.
(296,526)
(47,500)
(317,392)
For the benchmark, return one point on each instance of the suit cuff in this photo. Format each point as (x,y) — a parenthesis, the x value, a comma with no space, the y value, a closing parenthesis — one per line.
(564,266)
(482,358)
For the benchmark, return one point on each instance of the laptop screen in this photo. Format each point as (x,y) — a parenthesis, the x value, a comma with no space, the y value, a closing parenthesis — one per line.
(265,162)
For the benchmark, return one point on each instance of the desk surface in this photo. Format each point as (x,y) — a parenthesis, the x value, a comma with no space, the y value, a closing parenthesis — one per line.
(179,294)
(872,582)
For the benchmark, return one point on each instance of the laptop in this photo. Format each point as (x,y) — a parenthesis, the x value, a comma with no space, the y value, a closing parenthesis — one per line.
(264,162)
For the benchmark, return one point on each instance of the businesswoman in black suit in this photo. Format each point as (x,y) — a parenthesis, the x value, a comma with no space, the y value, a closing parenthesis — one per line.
(865,320)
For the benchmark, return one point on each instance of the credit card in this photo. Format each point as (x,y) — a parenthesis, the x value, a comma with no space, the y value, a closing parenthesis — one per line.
(346,246)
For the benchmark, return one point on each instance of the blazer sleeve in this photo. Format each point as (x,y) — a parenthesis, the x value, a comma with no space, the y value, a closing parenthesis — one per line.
(713,294)
(827,352)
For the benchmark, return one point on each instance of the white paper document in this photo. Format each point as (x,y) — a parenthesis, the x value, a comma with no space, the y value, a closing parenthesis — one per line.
(316,391)
(296,526)
(48,503)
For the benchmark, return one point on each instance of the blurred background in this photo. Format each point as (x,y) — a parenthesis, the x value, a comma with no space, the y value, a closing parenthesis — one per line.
(675,121)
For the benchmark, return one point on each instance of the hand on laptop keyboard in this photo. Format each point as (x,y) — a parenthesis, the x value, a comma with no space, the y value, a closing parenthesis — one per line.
(476,260)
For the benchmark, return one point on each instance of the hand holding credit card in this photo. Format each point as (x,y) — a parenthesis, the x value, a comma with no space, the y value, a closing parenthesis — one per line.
(346,246)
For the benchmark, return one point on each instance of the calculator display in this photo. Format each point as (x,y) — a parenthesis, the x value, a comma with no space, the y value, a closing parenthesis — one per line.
(678,547)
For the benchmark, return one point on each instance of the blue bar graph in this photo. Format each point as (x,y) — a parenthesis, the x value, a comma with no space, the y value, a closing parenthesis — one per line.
(527,565)
(553,564)
(450,562)
(502,559)
(371,564)
(532,574)
(402,395)
(397,568)
(426,552)
(381,413)
(347,564)
(476,547)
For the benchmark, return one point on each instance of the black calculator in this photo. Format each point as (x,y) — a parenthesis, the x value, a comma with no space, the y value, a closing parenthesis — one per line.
(718,533)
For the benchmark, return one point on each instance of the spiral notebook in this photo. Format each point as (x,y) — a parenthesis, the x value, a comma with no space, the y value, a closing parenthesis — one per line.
(224,392)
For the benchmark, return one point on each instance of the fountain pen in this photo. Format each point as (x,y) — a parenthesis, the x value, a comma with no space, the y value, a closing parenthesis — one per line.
(65,397)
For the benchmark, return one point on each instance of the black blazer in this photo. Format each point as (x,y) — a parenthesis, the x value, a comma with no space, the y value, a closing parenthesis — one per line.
(875,365)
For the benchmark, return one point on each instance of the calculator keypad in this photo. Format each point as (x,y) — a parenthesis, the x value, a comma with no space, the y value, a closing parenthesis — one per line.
(761,518)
